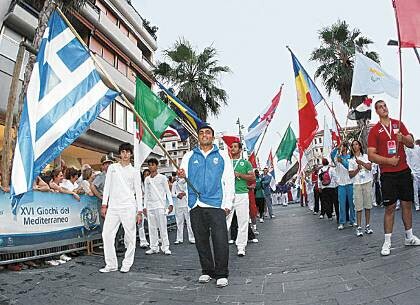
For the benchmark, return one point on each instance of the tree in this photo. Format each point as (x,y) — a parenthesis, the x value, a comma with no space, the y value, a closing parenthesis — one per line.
(336,58)
(46,8)
(196,77)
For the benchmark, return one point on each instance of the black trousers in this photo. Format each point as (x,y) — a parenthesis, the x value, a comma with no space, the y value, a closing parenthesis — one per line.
(206,223)
(316,196)
(327,198)
(261,206)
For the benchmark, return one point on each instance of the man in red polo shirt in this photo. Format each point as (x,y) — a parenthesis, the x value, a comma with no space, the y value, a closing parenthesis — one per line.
(386,143)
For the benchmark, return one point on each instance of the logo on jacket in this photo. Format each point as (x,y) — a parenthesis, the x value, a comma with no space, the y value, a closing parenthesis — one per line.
(195,162)
(241,163)
(215,160)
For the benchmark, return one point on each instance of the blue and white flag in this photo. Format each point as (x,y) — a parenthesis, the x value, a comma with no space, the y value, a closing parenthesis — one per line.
(65,94)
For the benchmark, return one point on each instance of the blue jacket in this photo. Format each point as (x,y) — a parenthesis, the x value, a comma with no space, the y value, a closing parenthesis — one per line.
(266,179)
(212,177)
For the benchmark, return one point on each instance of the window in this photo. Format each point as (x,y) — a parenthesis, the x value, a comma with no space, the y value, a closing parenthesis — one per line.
(130,121)
(106,114)
(122,66)
(120,115)
(162,162)
(108,56)
(320,140)
(123,29)
(95,46)
(315,141)
(131,74)
(132,37)
(9,43)
(173,145)
(175,153)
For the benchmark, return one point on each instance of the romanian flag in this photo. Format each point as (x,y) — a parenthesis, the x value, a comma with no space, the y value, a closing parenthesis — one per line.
(182,110)
(308,96)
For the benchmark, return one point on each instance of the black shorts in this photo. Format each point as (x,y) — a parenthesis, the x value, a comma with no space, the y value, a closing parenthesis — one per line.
(398,185)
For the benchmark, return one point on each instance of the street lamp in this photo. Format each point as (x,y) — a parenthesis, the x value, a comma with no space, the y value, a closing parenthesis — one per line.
(393,42)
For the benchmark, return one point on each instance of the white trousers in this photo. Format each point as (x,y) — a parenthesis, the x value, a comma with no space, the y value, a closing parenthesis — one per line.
(241,207)
(157,220)
(311,201)
(126,217)
(416,182)
(182,215)
(142,234)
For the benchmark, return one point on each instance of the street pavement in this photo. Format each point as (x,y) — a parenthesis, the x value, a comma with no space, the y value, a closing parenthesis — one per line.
(300,259)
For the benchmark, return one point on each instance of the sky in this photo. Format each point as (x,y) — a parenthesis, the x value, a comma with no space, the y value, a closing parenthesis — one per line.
(251,38)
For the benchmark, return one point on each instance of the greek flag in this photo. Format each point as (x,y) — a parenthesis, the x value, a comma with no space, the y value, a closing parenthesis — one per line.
(64,96)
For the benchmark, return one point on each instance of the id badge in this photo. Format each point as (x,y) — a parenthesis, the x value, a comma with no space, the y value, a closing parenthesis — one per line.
(392,147)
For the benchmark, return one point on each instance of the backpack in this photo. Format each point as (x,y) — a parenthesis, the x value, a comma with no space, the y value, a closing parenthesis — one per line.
(325,177)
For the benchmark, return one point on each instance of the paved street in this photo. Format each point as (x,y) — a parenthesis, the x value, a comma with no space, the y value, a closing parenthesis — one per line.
(300,260)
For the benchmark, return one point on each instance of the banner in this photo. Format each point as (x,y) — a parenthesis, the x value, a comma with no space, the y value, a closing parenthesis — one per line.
(47,217)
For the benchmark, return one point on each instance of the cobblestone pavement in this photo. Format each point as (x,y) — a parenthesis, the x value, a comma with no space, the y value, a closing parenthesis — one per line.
(300,259)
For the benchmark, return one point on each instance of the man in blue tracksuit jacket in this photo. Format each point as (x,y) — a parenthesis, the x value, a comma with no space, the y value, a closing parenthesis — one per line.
(211,173)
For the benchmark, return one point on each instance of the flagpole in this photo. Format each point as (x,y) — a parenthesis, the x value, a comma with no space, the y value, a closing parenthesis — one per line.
(400,61)
(129,104)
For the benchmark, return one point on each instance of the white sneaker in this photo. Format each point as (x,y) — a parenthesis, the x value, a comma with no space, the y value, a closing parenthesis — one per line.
(413,241)
(124,269)
(107,269)
(192,241)
(144,245)
(223,282)
(167,252)
(368,230)
(177,242)
(417,208)
(255,240)
(315,213)
(231,242)
(359,231)
(261,220)
(386,249)
(340,226)
(61,261)
(321,216)
(272,216)
(65,257)
(52,262)
(204,278)
(241,253)
(151,251)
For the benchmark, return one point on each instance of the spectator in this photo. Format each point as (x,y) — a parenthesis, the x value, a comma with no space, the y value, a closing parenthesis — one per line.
(56,178)
(69,183)
(98,182)
(86,182)
(41,185)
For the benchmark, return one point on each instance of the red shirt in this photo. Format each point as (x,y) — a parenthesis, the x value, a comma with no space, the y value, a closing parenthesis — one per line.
(378,138)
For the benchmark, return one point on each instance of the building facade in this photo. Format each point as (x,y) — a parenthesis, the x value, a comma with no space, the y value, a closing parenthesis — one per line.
(116,33)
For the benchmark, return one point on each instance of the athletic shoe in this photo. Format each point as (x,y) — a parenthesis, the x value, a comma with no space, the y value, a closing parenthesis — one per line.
(107,269)
(315,213)
(253,240)
(192,241)
(61,261)
(359,231)
(177,242)
(368,230)
(386,249)
(52,262)
(151,251)
(241,253)
(417,208)
(256,233)
(273,216)
(321,216)
(124,269)
(65,258)
(167,252)
(144,245)
(223,282)
(340,226)
(413,241)
(231,242)
(261,220)
(204,279)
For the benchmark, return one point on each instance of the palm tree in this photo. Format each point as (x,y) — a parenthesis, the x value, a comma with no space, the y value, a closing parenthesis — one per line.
(46,8)
(196,77)
(336,58)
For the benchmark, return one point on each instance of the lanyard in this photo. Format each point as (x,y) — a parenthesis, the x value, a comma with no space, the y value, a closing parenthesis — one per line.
(388,132)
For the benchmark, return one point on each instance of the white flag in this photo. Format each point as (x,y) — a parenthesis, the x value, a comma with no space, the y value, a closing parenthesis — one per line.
(369,78)
(327,147)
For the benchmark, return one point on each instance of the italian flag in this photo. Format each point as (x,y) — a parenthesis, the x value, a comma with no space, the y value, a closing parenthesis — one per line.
(156,114)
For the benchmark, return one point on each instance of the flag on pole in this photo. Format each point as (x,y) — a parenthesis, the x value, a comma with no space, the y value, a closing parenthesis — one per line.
(64,96)
(308,96)
(287,145)
(182,109)
(327,142)
(335,133)
(156,114)
(361,111)
(369,78)
(408,18)
(258,126)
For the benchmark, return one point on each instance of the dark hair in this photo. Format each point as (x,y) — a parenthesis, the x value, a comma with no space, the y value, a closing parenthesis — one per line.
(142,174)
(206,126)
(71,172)
(351,150)
(56,172)
(153,161)
(239,144)
(377,102)
(87,173)
(125,146)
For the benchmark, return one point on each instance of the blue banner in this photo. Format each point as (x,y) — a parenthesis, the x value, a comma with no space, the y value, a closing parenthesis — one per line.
(47,217)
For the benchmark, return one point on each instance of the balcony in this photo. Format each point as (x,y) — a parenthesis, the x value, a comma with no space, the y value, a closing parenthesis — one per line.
(113,33)
(22,20)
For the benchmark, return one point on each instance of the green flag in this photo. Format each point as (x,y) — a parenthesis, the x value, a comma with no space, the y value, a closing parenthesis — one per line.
(287,145)
(156,114)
